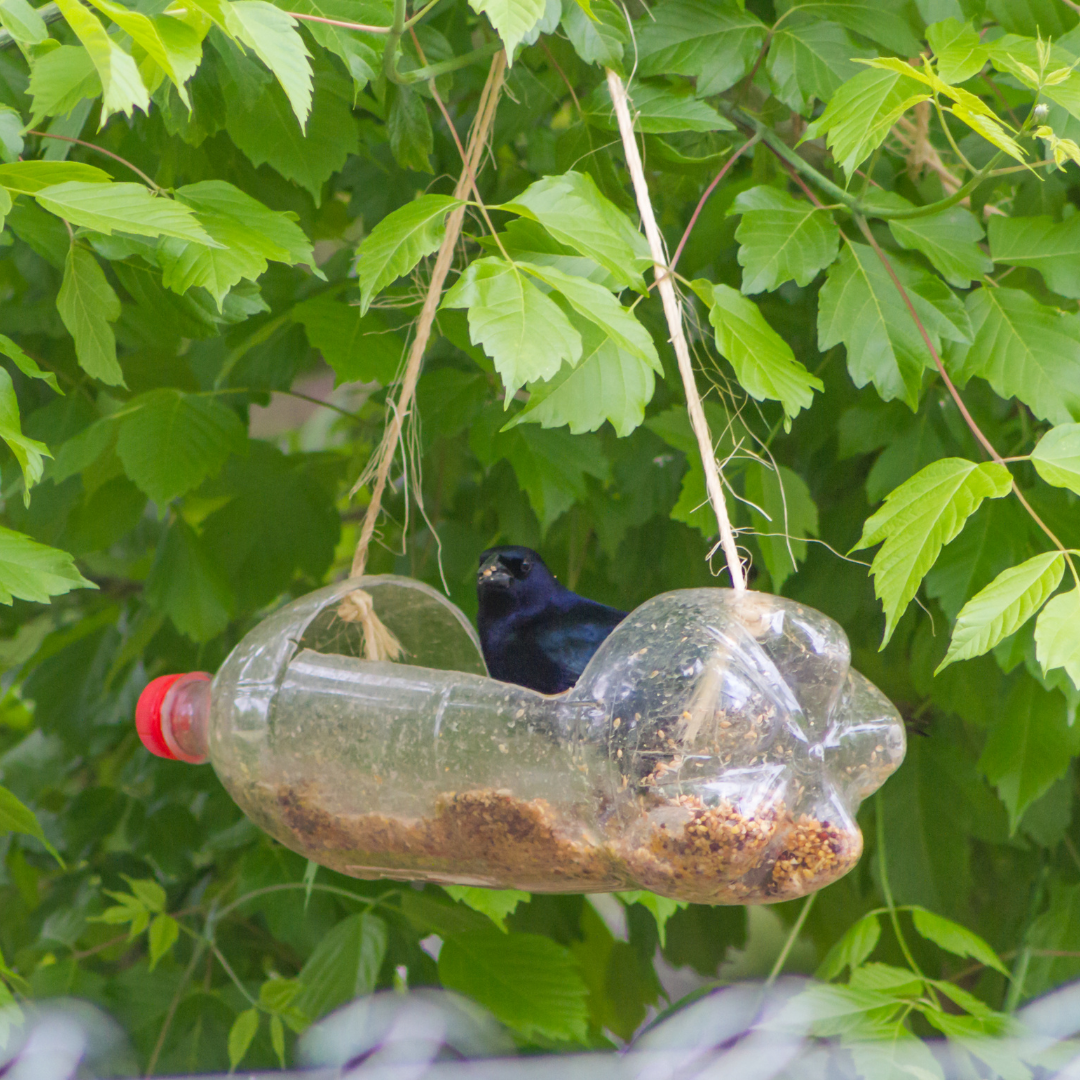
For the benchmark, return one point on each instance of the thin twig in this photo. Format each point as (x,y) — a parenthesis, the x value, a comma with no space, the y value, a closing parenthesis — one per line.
(363,27)
(791,939)
(755,138)
(673,314)
(387,450)
(886,890)
(196,954)
(100,149)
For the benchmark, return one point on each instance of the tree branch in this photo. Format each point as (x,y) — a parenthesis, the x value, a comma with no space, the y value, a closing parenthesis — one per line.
(749,144)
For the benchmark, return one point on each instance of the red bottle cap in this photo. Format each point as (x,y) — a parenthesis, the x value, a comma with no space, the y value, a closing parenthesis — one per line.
(148,713)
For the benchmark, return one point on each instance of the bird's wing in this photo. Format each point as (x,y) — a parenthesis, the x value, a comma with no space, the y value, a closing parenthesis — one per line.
(571,636)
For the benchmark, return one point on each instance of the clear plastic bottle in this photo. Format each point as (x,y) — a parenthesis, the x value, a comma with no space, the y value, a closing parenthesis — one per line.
(715,749)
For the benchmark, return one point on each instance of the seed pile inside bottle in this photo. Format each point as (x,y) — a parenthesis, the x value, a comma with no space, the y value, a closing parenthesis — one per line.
(678,847)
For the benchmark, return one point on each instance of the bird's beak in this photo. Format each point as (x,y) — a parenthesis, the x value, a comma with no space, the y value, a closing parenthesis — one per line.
(493,575)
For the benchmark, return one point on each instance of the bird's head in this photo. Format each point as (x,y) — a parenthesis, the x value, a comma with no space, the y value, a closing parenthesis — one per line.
(510,577)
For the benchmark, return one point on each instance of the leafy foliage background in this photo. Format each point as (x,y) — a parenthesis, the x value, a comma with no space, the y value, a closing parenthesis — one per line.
(159,291)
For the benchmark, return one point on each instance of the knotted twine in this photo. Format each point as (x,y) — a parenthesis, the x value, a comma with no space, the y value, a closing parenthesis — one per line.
(380,643)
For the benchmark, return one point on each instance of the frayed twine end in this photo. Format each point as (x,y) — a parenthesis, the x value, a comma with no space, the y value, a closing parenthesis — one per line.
(380,643)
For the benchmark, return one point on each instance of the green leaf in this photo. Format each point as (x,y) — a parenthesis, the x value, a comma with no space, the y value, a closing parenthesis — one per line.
(277,1038)
(950,240)
(409,128)
(883,21)
(247,235)
(11,140)
(278,520)
(173,45)
(241,1035)
(360,348)
(272,35)
(660,907)
(764,363)
(277,994)
(1003,606)
(87,304)
(715,41)
(1029,746)
(550,465)
(496,904)
(958,50)
(266,131)
(1023,350)
(595,303)
(83,450)
(820,1004)
(891,980)
(808,60)
(512,19)
(608,383)
(599,38)
(1057,635)
(399,241)
(789,516)
(529,982)
(918,519)
(781,239)
(23,22)
(994,538)
(26,364)
(853,949)
(572,210)
(30,177)
(126,207)
(954,938)
(860,306)
(122,87)
(521,329)
(60,79)
(1056,457)
(164,930)
(658,109)
(15,817)
(1051,247)
(344,965)
(187,586)
(169,441)
(862,112)
(29,453)
(148,892)
(355,50)
(32,571)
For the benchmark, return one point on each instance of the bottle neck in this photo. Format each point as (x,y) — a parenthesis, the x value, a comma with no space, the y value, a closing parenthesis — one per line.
(185,718)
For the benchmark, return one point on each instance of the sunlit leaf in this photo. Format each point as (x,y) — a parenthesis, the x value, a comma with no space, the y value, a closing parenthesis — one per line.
(399,242)
(88,304)
(1057,635)
(522,330)
(918,519)
(1004,606)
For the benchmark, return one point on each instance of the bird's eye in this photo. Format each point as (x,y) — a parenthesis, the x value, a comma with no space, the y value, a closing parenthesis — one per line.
(526,566)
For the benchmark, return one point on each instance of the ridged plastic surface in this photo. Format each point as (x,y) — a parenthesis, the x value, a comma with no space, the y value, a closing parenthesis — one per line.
(715,749)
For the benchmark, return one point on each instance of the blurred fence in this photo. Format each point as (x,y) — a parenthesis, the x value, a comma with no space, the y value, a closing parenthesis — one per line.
(740,1032)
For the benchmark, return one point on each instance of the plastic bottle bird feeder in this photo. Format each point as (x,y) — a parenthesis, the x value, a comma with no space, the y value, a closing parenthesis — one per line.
(714,750)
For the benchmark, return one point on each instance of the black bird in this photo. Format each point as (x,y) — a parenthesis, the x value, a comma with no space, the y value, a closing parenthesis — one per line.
(534,631)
